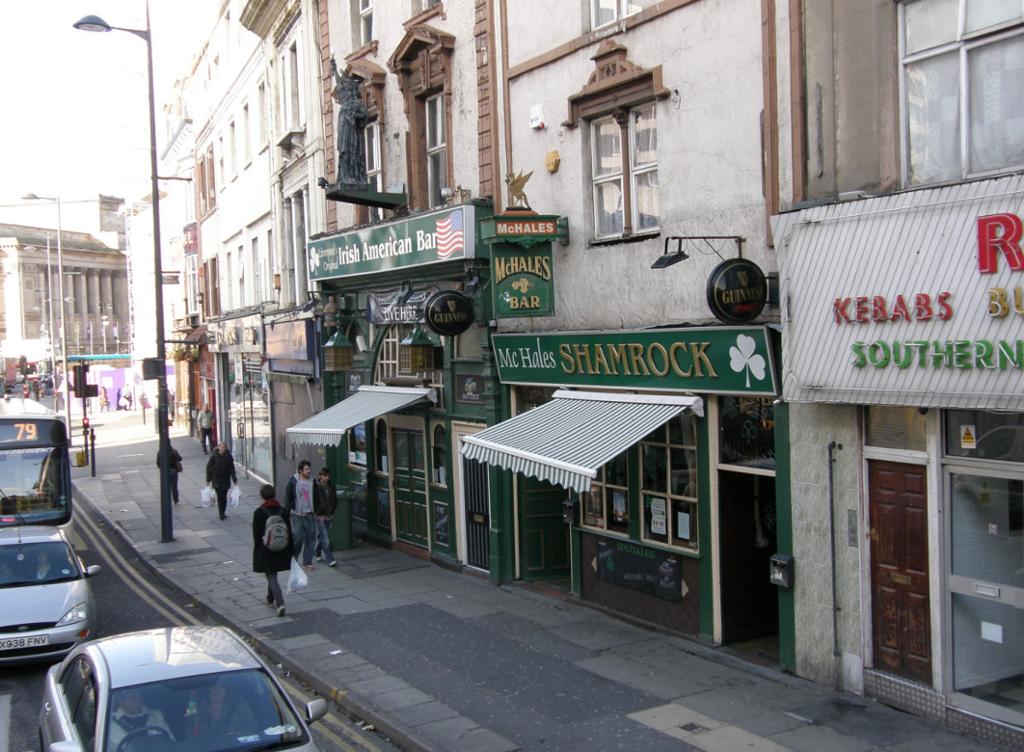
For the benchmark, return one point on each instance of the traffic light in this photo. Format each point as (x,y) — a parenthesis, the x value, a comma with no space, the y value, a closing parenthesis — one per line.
(85,423)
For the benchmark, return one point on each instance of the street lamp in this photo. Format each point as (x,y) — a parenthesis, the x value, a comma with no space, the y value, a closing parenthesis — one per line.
(63,325)
(95,23)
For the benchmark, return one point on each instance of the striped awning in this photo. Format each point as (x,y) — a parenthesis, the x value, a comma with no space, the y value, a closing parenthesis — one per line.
(328,428)
(567,440)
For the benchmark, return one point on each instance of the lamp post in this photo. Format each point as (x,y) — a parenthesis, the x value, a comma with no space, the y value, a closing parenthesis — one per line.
(95,23)
(63,325)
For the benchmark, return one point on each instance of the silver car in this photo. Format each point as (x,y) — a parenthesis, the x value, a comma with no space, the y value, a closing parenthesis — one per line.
(48,605)
(198,689)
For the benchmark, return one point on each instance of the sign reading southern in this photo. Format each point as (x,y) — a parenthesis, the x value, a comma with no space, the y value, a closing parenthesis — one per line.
(913,300)
(713,359)
(523,284)
(426,239)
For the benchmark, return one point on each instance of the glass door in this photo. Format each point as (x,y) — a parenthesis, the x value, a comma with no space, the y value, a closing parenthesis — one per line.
(986,584)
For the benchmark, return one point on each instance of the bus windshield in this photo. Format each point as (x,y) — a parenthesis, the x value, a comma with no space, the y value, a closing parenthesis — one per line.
(31,484)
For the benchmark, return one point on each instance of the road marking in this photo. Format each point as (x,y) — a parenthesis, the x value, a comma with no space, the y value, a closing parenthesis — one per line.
(5,723)
(100,543)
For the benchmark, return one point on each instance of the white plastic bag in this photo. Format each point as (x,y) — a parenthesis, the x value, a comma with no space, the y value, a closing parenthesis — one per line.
(206,497)
(297,578)
(234,497)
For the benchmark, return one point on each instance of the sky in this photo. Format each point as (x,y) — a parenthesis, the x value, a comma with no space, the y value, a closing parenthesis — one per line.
(76,118)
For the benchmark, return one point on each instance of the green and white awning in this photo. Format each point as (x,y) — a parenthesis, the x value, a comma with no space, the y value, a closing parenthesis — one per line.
(328,428)
(567,440)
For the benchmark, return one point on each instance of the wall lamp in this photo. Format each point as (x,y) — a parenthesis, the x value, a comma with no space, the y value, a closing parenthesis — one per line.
(667,259)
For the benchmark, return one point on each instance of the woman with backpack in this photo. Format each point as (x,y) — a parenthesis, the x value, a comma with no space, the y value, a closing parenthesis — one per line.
(271,544)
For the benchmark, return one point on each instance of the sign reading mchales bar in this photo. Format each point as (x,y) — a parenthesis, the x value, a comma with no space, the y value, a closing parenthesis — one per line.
(735,360)
(523,282)
(444,235)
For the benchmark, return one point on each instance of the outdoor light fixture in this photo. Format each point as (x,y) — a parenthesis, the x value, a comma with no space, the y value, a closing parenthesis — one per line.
(338,352)
(95,23)
(416,351)
(667,259)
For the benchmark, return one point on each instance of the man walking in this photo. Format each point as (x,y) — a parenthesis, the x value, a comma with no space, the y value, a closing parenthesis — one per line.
(298,499)
(271,544)
(220,472)
(325,501)
(206,429)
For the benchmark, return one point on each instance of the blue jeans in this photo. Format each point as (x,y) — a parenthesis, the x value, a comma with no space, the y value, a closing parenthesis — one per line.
(323,539)
(304,535)
(172,476)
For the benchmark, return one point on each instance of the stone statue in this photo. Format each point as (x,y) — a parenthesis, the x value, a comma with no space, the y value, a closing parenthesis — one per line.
(352,117)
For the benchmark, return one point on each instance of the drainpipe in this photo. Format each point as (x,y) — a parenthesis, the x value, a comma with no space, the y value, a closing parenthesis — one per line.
(832,446)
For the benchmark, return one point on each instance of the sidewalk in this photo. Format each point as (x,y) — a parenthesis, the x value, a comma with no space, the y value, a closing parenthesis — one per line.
(443,661)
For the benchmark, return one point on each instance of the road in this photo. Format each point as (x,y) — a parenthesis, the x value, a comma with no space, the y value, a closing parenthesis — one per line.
(128,599)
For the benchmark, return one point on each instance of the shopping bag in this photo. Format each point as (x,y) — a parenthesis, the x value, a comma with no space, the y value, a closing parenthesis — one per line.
(234,497)
(297,578)
(206,497)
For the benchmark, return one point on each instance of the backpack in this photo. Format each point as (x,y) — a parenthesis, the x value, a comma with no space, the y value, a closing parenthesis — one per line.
(275,534)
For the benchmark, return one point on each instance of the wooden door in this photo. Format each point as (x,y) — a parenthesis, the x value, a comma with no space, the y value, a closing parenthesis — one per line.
(543,534)
(901,616)
(410,478)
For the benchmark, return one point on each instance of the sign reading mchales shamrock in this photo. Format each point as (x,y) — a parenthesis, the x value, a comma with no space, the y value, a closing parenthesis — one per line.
(734,360)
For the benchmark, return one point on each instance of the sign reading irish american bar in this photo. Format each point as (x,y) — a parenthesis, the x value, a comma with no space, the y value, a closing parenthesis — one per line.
(445,235)
(736,360)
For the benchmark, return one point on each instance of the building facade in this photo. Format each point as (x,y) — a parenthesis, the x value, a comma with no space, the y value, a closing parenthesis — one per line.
(900,270)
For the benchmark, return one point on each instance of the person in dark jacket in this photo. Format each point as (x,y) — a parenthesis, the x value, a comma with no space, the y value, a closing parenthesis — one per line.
(325,501)
(263,559)
(220,472)
(172,473)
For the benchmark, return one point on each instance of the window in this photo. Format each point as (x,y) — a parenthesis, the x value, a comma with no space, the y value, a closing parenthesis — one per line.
(192,283)
(79,689)
(373,169)
(609,11)
(290,113)
(258,293)
(437,151)
(606,505)
(261,119)
(668,485)
(365,21)
(227,282)
(747,432)
(963,61)
(201,184)
(220,162)
(211,183)
(357,445)
(242,297)
(625,179)
(233,149)
(439,457)
(246,143)
(381,459)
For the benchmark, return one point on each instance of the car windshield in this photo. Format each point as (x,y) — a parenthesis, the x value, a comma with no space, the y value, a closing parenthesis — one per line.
(236,710)
(30,479)
(37,563)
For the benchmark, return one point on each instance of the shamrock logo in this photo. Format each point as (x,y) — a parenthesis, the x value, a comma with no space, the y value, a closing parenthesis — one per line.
(742,357)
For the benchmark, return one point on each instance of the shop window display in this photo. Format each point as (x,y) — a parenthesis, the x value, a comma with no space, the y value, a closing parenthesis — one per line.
(606,505)
(669,483)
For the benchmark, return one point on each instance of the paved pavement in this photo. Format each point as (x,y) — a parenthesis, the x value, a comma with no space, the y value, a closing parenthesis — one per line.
(444,661)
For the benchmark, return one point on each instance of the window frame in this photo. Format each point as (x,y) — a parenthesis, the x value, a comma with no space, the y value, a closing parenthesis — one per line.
(963,44)
(374,167)
(671,498)
(435,148)
(602,484)
(627,173)
(621,11)
(366,25)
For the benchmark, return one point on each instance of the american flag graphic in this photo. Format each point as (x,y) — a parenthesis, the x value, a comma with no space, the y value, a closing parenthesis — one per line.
(449,234)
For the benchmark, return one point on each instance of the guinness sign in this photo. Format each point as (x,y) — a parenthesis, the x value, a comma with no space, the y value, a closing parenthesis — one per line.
(448,313)
(737,291)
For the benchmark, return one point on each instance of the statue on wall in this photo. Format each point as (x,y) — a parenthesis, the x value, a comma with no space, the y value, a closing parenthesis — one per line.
(352,117)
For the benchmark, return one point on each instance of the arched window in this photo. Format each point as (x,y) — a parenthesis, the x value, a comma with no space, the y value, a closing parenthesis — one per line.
(439,454)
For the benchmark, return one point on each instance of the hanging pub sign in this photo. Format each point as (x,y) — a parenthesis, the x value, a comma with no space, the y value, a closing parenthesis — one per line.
(449,313)
(523,283)
(737,291)
(397,307)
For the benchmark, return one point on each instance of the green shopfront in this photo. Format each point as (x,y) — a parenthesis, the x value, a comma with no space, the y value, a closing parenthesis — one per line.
(398,393)
(643,468)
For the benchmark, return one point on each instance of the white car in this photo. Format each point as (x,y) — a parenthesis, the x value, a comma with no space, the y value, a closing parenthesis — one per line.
(48,605)
(193,689)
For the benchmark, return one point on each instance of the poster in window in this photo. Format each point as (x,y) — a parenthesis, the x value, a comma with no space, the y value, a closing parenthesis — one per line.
(441,533)
(593,508)
(659,517)
(620,512)
(468,388)
(683,524)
